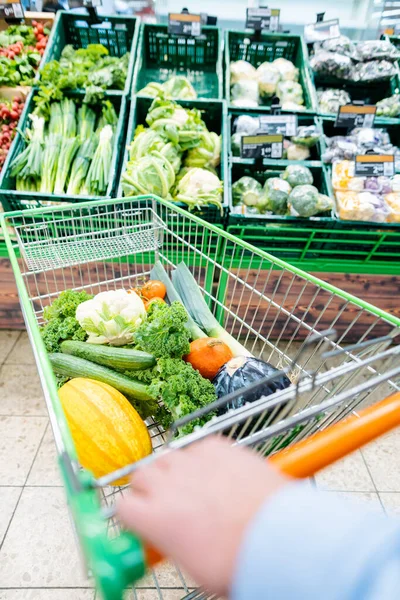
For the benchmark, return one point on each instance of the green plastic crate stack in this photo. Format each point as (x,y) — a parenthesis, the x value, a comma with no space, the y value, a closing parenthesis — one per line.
(116,33)
(266,47)
(162,55)
(17,200)
(214,114)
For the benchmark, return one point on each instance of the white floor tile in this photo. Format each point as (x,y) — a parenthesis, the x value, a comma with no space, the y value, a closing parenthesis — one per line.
(366,499)
(7,340)
(40,548)
(47,594)
(349,474)
(382,458)
(391,502)
(8,501)
(20,391)
(45,469)
(19,440)
(22,353)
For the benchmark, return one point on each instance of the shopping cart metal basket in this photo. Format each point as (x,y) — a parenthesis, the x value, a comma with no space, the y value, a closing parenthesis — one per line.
(338,351)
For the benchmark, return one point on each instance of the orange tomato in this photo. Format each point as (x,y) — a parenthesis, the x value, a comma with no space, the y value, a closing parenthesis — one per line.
(154,289)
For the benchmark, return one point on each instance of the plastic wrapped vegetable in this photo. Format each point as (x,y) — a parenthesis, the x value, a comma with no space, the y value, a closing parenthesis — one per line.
(373,49)
(152,174)
(275,201)
(330,100)
(198,188)
(297,152)
(207,153)
(268,77)
(246,125)
(343,177)
(331,63)
(276,183)
(292,106)
(147,141)
(245,94)
(393,204)
(361,206)
(247,191)
(241,70)
(373,70)
(297,175)
(341,44)
(287,70)
(307,135)
(290,91)
(388,107)
(306,201)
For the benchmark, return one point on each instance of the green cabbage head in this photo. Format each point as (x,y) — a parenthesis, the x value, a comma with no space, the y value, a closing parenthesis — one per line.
(152,174)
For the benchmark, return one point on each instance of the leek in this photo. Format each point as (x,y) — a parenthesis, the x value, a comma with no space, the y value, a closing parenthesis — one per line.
(86,122)
(81,165)
(158,272)
(197,308)
(68,149)
(50,163)
(99,170)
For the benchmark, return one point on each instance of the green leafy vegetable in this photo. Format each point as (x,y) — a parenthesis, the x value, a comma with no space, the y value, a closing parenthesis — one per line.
(61,322)
(152,174)
(207,153)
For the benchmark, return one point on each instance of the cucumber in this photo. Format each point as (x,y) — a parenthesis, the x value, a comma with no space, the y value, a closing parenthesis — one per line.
(72,366)
(122,359)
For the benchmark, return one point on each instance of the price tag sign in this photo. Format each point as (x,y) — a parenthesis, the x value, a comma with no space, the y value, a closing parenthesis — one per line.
(374,165)
(353,115)
(261,145)
(322,30)
(11,9)
(282,124)
(184,24)
(262,18)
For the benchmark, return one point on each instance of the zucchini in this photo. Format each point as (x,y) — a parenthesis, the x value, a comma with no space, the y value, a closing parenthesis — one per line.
(122,359)
(72,366)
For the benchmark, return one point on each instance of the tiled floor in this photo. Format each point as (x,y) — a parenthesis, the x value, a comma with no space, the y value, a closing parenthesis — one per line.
(38,555)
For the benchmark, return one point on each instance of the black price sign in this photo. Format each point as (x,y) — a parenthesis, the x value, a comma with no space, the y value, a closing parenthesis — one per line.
(374,165)
(261,145)
(262,18)
(321,30)
(184,24)
(353,115)
(11,10)
(282,124)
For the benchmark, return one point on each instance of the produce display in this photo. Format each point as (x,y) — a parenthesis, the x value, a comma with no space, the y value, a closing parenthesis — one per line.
(175,87)
(331,99)
(365,198)
(251,87)
(367,61)
(89,68)
(21,50)
(175,157)
(10,113)
(68,149)
(155,350)
(291,194)
(296,147)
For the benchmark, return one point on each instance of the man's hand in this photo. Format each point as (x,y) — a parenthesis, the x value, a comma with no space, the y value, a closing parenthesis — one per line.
(194,506)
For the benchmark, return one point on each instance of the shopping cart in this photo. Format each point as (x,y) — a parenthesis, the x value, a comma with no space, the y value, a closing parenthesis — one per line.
(339,352)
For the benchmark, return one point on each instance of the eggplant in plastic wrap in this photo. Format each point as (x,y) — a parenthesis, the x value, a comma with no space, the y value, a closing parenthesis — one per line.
(242,371)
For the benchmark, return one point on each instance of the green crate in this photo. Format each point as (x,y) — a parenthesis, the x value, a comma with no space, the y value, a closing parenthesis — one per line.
(303,120)
(119,34)
(15,200)
(162,54)
(259,48)
(215,117)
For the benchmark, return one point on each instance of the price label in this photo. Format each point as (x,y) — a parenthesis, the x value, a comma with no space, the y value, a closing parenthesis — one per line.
(11,9)
(281,124)
(322,30)
(184,24)
(261,146)
(262,18)
(374,165)
(351,115)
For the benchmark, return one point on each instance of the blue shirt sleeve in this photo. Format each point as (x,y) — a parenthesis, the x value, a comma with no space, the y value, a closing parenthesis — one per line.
(306,545)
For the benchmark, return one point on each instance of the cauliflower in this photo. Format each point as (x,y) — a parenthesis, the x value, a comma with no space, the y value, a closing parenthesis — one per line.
(297,152)
(290,91)
(293,106)
(268,78)
(111,317)
(306,201)
(199,187)
(297,175)
(286,69)
(245,93)
(241,70)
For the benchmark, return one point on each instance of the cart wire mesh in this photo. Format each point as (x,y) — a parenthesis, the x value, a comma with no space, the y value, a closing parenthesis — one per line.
(338,351)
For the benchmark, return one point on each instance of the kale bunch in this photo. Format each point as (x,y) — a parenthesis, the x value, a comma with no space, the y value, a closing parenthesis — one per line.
(61,322)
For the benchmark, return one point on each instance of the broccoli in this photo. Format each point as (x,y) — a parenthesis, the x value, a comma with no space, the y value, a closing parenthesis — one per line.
(62,324)
(181,388)
(307,202)
(297,175)
(164,333)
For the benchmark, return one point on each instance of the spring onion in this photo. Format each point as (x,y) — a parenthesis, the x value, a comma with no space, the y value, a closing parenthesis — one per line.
(197,308)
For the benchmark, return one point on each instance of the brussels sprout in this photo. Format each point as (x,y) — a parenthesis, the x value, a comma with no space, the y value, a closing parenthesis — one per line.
(306,201)
(297,175)
(246,191)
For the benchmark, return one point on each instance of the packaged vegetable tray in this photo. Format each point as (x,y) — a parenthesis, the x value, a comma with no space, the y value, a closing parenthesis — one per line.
(13,199)
(162,55)
(304,146)
(214,115)
(264,48)
(118,34)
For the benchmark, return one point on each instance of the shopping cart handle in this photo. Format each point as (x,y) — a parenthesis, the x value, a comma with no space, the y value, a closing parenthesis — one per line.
(309,456)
